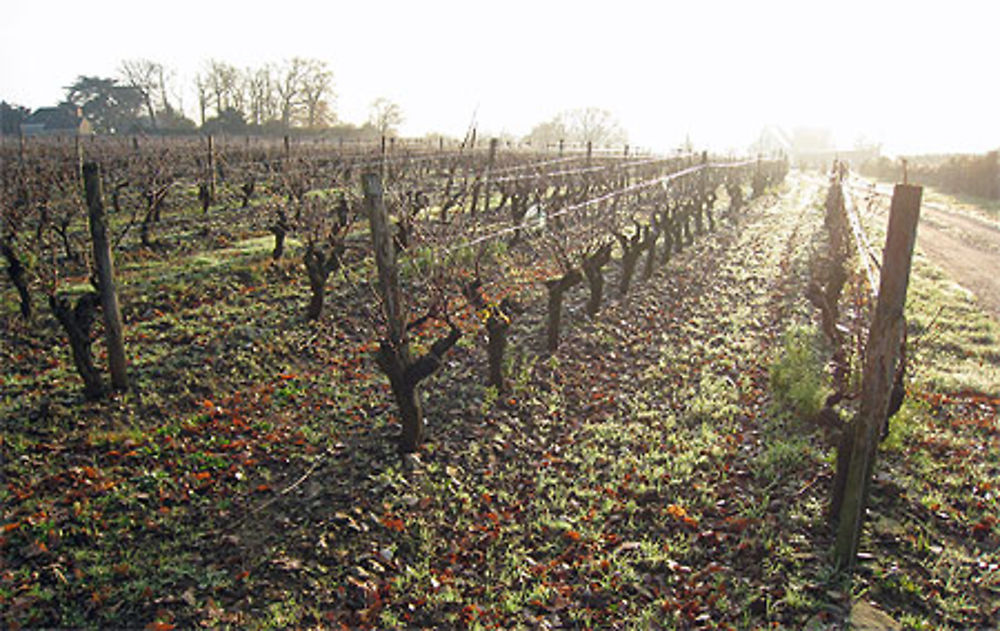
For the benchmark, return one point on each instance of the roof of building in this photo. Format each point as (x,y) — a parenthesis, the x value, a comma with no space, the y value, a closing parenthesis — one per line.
(55,118)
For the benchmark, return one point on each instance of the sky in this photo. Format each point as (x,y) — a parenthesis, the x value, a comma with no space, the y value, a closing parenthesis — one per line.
(916,76)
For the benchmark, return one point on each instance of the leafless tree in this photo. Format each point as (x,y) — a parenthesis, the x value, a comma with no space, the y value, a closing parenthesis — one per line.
(317,90)
(202,87)
(223,85)
(581,126)
(594,125)
(148,78)
(260,94)
(288,87)
(385,116)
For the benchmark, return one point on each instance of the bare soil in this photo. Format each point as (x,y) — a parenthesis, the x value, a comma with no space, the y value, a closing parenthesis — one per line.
(965,246)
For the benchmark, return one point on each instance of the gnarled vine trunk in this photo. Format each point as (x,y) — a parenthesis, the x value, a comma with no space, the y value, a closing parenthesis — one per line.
(77,322)
(557,289)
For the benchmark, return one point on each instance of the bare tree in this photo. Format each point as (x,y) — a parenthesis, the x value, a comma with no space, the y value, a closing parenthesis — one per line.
(317,89)
(547,133)
(146,77)
(288,87)
(224,86)
(594,125)
(385,115)
(260,94)
(584,125)
(202,87)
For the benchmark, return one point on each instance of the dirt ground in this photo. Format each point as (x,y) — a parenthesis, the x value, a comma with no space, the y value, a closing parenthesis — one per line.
(966,247)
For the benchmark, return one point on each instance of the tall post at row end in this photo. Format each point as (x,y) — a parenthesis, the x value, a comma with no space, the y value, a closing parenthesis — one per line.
(104,269)
(494,142)
(211,168)
(884,338)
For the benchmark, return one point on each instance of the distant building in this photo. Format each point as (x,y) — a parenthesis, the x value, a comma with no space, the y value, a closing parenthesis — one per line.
(811,147)
(772,141)
(64,120)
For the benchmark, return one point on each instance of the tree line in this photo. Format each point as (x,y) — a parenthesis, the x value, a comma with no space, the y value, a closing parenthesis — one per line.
(977,175)
(295,95)
(146,96)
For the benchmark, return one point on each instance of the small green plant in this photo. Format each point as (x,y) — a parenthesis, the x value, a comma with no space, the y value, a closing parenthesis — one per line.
(797,378)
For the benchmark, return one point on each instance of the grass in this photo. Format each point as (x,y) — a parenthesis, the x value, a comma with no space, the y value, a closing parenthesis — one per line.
(957,346)
(797,376)
(933,503)
(989,208)
(649,474)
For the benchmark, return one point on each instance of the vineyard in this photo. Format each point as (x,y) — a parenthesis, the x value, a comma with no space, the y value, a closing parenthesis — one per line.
(294,384)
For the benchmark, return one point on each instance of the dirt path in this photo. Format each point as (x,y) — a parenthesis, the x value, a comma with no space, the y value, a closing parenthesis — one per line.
(965,246)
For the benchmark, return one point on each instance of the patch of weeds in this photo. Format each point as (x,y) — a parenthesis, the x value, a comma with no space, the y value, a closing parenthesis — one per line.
(783,457)
(905,425)
(797,377)
(717,400)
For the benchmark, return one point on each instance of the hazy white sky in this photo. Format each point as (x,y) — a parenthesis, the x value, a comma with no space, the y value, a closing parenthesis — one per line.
(916,76)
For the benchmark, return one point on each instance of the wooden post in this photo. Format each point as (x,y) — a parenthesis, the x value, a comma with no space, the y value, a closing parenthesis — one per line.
(104,269)
(211,167)
(441,143)
(590,151)
(561,145)
(489,168)
(288,147)
(385,257)
(78,149)
(394,355)
(701,210)
(884,338)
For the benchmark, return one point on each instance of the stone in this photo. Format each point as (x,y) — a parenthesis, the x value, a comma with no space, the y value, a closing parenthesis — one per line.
(866,617)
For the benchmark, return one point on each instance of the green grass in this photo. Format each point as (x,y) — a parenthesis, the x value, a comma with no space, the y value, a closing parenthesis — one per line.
(797,374)
(935,505)
(956,346)
(656,469)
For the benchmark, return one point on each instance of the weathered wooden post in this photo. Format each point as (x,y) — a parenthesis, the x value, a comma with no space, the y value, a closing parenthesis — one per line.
(590,151)
(562,144)
(489,169)
(394,355)
(211,168)
(104,269)
(700,208)
(884,339)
